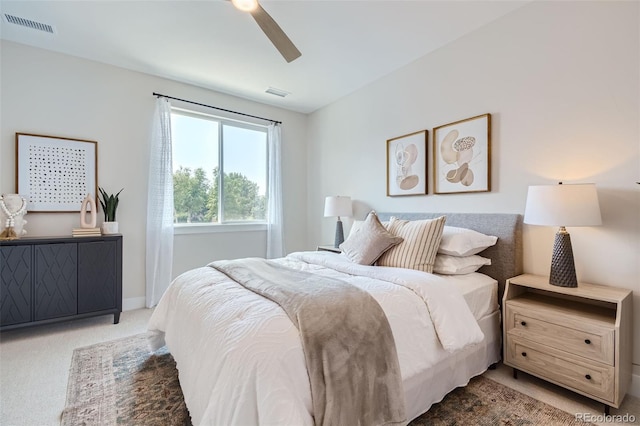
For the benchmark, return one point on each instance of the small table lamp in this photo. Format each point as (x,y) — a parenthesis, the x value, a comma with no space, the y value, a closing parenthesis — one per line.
(563,205)
(338,206)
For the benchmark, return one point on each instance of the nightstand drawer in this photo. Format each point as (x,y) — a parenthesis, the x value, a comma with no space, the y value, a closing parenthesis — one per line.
(588,341)
(589,378)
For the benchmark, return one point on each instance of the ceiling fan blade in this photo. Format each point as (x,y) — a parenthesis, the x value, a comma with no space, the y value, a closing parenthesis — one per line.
(279,39)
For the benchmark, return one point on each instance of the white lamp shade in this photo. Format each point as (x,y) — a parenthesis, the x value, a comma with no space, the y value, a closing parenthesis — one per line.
(563,205)
(337,206)
(245,5)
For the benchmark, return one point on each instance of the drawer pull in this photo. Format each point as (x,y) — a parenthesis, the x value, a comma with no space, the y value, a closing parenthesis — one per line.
(523,323)
(587,341)
(524,354)
(588,377)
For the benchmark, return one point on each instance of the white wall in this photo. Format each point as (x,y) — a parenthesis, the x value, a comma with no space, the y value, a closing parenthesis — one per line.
(48,93)
(561,80)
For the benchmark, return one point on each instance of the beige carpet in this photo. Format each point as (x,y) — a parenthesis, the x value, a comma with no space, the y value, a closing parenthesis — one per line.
(120,382)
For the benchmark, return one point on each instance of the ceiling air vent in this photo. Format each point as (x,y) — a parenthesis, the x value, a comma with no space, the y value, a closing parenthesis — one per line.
(34,25)
(277,92)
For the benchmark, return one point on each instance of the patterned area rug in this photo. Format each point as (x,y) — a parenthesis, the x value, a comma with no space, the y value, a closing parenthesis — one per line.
(121,383)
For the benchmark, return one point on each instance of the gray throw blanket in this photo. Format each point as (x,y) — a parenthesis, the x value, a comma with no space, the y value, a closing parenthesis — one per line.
(348,345)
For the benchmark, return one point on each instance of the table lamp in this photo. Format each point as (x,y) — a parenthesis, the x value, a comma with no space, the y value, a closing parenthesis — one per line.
(338,206)
(563,205)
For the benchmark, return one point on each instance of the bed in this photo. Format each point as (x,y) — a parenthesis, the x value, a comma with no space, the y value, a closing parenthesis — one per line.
(240,357)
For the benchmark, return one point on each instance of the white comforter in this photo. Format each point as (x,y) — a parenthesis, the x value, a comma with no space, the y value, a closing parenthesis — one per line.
(240,359)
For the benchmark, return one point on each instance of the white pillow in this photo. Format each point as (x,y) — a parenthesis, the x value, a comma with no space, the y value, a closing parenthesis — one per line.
(454,265)
(464,242)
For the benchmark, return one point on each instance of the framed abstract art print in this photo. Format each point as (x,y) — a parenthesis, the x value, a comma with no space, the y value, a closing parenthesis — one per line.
(462,156)
(407,164)
(55,174)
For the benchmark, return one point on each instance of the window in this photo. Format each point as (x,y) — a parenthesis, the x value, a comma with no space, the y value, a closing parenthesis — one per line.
(219,169)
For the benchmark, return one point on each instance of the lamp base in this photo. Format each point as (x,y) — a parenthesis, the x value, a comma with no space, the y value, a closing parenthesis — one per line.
(563,270)
(339,234)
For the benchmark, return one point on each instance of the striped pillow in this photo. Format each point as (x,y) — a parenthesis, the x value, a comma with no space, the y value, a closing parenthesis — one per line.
(418,249)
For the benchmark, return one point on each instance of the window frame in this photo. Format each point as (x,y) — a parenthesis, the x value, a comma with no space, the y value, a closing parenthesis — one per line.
(222,225)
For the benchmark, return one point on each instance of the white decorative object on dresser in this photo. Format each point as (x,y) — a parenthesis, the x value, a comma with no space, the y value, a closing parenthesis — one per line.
(13,208)
(579,338)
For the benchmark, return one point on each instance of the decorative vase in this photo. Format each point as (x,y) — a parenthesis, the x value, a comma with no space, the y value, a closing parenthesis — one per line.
(13,208)
(88,206)
(109,227)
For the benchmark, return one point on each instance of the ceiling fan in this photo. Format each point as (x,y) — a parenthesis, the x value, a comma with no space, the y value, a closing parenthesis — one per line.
(273,31)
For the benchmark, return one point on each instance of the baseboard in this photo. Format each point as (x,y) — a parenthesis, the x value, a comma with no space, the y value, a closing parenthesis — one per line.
(133,303)
(634,389)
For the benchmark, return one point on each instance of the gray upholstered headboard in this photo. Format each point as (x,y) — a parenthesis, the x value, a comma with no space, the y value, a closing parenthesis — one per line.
(506,255)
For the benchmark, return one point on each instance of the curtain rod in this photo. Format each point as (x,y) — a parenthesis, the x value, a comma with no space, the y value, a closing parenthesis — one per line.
(214,107)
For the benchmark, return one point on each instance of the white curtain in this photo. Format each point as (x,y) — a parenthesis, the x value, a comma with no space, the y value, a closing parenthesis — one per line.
(275,234)
(159,206)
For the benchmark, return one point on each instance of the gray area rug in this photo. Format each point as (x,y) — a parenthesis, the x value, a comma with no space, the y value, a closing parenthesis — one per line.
(121,383)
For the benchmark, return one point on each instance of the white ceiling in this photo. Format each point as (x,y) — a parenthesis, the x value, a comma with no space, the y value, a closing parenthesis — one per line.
(345,44)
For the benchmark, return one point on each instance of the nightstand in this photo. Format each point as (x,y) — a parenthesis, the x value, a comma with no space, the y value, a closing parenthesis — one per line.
(329,248)
(579,338)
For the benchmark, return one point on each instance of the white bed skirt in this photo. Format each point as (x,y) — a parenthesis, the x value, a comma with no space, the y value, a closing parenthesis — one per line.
(432,385)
